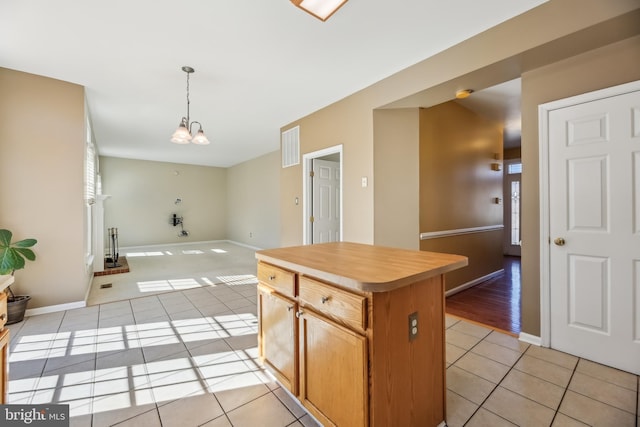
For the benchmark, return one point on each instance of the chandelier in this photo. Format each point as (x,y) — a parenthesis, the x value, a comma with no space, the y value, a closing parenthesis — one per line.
(183,134)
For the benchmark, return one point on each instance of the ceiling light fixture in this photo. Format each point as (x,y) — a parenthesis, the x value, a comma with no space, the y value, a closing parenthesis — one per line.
(182,135)
(321,9)
(464,93)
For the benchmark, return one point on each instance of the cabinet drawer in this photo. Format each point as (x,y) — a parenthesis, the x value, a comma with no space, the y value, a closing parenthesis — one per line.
(342,305)
(3,309)
(281,280)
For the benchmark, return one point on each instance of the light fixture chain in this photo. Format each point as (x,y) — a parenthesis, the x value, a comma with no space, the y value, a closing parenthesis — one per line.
(188,101)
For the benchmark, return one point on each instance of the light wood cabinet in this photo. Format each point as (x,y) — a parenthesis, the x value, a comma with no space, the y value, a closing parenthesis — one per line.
(4,349)
(278,336)
(333,372)
(4,362)
(335,331)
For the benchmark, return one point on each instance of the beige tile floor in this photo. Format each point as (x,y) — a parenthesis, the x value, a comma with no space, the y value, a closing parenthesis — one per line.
(188,358)
(167,268)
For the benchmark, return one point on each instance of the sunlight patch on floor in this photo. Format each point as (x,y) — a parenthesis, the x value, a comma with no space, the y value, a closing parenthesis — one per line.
(134,385)
(240,279)
(143,254)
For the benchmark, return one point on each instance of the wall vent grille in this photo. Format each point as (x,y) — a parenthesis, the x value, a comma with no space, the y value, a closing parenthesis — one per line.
(291,147)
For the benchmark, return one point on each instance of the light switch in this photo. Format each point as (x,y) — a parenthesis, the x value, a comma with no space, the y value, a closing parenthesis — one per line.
(365,182)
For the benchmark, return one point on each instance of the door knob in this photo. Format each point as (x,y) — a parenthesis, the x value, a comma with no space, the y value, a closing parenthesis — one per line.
(559,241)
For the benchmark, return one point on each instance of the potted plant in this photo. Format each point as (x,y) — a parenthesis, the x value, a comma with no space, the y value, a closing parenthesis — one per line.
(12,258)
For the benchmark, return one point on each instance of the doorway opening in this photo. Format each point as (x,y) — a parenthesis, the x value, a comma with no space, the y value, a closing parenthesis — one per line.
(322,196)
(496,301)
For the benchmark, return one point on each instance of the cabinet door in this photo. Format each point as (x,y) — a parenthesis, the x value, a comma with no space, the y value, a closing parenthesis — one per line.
(4,364)
(333,372)
(277,337)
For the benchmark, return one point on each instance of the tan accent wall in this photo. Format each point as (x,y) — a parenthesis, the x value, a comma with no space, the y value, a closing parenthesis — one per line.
(143,195)
(42,143)
(396,168)
(609,66)
(457,187)
(554,31)
(344,123)
(253,199)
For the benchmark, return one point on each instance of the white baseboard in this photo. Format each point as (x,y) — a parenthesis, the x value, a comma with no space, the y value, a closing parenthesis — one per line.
(255,248)
(162,245)
(206,242)
(473,283)
(55,308)
(530,339)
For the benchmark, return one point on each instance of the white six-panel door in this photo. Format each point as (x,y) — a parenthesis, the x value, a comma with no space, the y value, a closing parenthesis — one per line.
(594,226)
(326,201)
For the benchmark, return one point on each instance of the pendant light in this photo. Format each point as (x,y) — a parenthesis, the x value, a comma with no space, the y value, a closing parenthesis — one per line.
(183,134)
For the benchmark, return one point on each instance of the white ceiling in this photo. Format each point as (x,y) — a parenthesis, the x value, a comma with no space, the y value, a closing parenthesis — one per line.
(259,64)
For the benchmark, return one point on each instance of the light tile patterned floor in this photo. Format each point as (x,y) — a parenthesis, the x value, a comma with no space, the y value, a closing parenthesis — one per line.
(188,358)
(495,380)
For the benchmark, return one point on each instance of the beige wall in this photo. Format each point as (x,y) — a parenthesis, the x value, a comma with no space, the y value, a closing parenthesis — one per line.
(343,123)
(396,168)
(143,195)
(601,68)
(42,143)
(554,31)
(457,187)
(253,199)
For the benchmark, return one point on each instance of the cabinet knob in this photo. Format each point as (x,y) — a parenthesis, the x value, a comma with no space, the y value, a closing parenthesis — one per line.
(3,316)
(325,299)
(272,277)
(299,313)
(289,308)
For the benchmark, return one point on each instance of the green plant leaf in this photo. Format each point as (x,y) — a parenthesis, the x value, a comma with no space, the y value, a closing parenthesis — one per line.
(26,243)
(5,238)
(27,253)
(9,261)
(13,255)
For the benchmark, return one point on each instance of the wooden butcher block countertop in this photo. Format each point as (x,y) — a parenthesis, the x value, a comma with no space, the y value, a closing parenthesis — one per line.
(362,267)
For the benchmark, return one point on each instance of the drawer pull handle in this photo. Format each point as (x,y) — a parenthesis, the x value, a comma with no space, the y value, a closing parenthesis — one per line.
(272,277)
(299,313)
(325,300)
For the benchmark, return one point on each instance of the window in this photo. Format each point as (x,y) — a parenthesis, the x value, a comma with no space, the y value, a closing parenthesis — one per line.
(89,195)
(515,212)
(514,168)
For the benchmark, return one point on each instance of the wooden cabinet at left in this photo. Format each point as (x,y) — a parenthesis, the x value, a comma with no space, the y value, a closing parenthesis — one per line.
(4,348)
(4,363)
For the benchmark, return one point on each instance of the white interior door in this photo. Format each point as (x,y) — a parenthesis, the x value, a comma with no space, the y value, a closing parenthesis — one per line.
(594,227)
(326,201)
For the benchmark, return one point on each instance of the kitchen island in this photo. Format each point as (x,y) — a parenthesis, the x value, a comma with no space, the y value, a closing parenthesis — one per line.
(356,332)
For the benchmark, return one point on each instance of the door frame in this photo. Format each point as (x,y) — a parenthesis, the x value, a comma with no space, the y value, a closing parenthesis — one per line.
(307,185)
(544,110)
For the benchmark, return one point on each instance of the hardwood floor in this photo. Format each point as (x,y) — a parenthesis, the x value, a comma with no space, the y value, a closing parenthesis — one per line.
(495,303)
